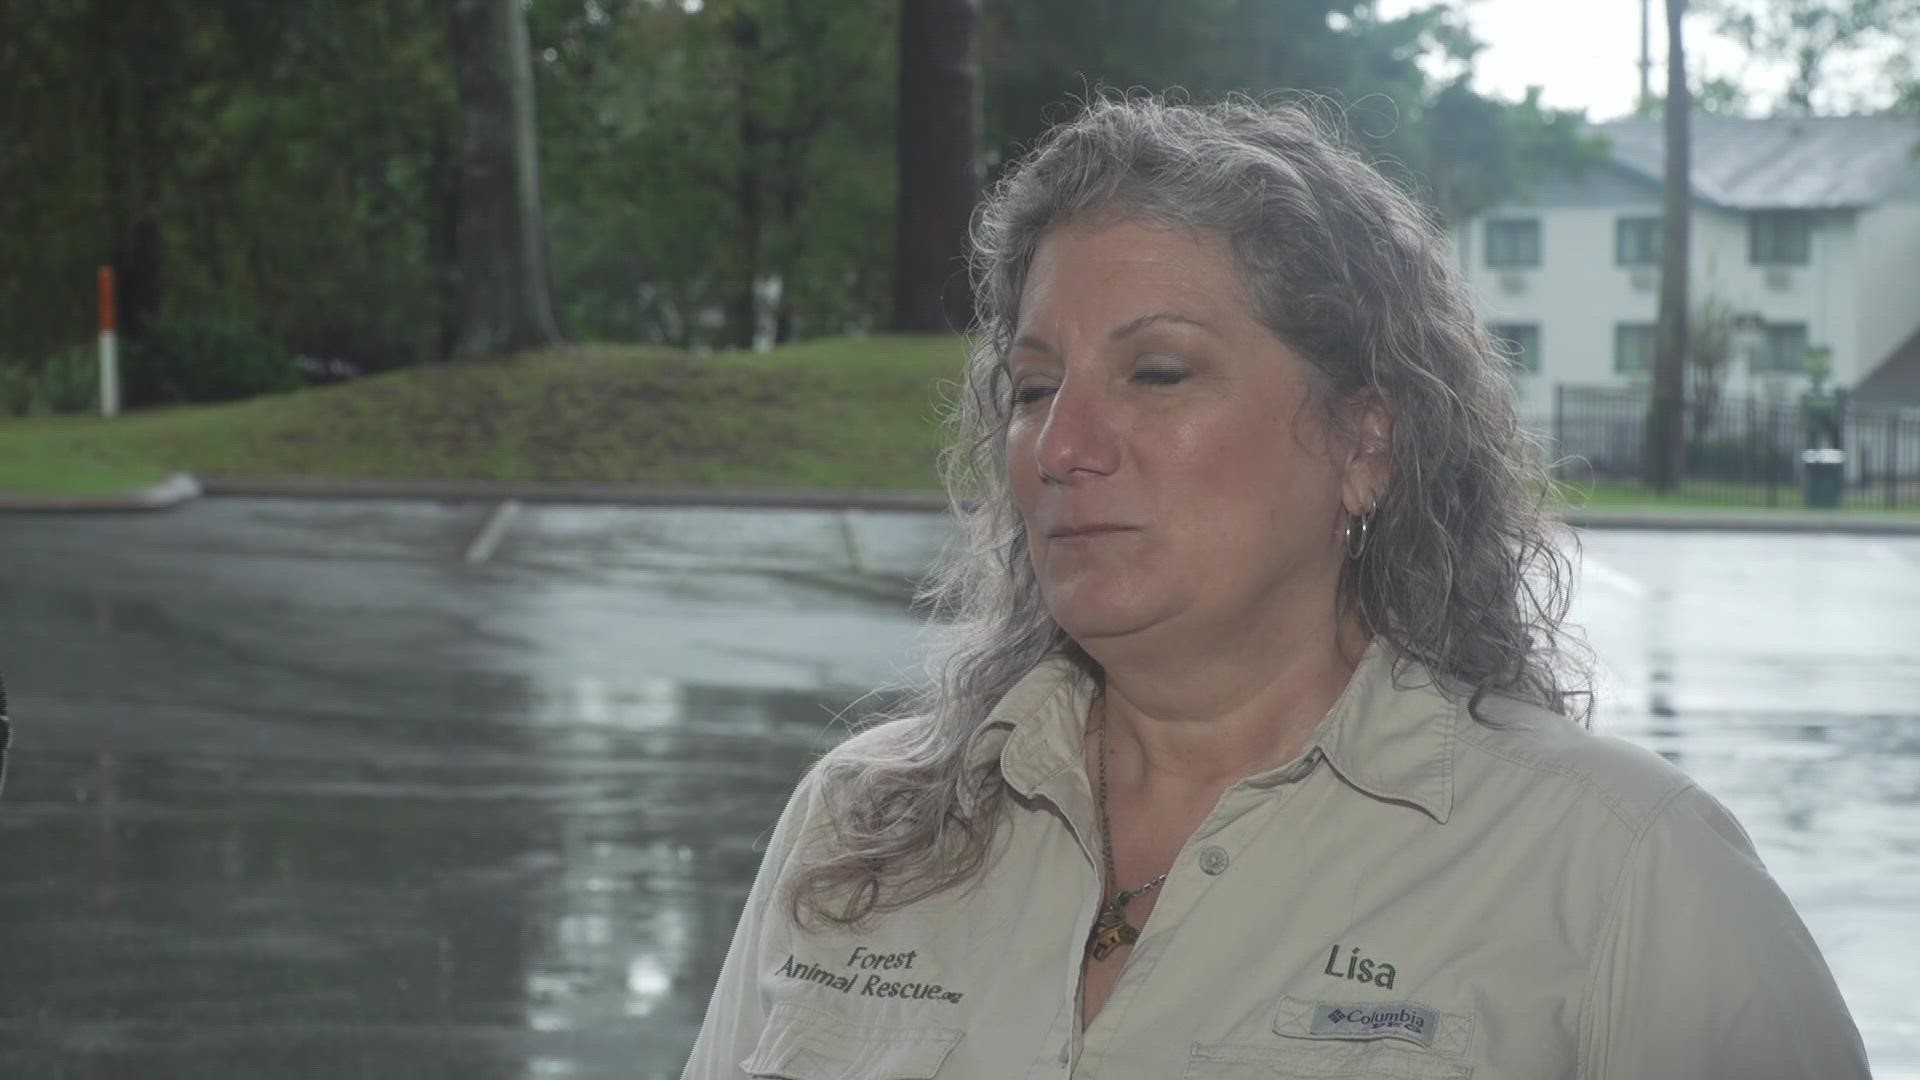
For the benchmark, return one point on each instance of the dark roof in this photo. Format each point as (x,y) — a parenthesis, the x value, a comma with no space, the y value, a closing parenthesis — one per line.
(1897,378)
(1788,163)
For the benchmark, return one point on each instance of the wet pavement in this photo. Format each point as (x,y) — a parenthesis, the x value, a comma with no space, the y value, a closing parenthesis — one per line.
(300,791)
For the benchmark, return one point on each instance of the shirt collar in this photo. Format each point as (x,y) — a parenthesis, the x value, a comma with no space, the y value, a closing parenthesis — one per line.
(1390,733)
(1037,728)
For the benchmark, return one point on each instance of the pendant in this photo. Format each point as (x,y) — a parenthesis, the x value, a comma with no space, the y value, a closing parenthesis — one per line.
(1110,930)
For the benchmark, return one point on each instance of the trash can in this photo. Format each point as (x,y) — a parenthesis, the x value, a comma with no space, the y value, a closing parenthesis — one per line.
(1826,470)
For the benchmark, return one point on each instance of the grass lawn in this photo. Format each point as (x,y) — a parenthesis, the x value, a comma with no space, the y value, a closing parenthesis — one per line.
(830,413)
(62,456)
(834,413)
(1728,497)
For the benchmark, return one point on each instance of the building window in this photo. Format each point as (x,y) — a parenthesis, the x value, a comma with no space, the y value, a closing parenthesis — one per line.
(1779,238)
(1783,351)
(1633,348)
(1636,241)
(1513,243)
(1519,343)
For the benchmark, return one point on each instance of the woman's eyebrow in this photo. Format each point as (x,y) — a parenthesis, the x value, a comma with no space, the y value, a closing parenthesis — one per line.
(1028,341)
(1129,329)
(1125,330)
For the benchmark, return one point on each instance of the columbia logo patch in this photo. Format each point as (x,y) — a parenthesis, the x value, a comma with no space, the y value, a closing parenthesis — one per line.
(1397,1019)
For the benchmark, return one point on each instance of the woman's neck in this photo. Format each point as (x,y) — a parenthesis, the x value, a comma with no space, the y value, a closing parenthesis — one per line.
(1207,721)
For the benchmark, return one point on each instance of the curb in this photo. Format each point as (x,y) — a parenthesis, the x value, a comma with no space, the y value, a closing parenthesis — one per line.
(1766,521)
(575,493)
(164,495)
(182,488)
(641,495)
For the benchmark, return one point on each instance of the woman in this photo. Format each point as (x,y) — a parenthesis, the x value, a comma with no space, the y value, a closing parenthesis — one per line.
(1251,751)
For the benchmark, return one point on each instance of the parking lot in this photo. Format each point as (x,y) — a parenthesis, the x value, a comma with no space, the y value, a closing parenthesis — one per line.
(436,790)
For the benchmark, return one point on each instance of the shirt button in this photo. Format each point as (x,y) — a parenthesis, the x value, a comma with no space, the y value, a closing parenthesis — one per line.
(1213,860)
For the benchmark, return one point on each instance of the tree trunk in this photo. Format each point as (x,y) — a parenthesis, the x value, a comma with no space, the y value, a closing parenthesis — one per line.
(743,316)
(938,155)
(506,294)
(128,117)
(442,237)
(1666,437)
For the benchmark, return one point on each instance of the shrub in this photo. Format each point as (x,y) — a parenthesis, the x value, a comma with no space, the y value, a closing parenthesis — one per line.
(197,359)
(70,381)
(66,382)
(1735,458)
(16,387)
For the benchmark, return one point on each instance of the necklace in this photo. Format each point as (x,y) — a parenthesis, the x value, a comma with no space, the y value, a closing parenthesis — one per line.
(1111,930)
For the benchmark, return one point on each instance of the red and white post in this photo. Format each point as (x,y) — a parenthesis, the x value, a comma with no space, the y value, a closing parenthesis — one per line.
(109,348)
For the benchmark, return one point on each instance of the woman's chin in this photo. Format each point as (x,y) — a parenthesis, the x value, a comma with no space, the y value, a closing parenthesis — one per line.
(1088,618)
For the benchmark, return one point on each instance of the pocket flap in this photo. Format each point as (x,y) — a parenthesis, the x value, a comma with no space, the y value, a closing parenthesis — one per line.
(1413,1022)
(802,1043)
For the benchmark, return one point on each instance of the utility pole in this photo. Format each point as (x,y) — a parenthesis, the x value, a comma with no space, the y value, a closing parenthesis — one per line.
(1646,52)
(1666,431)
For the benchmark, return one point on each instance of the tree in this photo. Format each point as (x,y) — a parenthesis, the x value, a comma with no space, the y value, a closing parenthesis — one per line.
(1713,96)
(232,160)
(1814,37)
(1467,150)
(1475,151)
(1666,435)
(938,151)
(505,292)
(1037,53)
(1709,354)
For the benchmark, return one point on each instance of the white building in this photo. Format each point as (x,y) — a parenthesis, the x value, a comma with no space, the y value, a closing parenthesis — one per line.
(1809,228)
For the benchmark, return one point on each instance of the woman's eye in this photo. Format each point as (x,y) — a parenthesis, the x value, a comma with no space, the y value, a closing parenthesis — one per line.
(1159,376)
(1030,393)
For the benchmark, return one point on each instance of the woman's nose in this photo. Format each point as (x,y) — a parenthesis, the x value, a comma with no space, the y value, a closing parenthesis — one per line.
(1079,438)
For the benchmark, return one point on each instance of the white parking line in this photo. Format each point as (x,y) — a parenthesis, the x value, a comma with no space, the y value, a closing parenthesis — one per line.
(492,533)
(1887,555)
(1601,574)
(854,553)
(592,699)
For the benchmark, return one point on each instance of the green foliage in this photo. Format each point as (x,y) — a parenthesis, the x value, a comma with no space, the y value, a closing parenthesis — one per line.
(1710,341)
(67,381)
(1820,42)
(1735,458)
(1039,53)
(697,159)
(201,360)
(70,381)
(1460,150)
(18,388)
(833,413)
(715,174)
(284,158)
(1710,335)
(1714,95)
(1475,152)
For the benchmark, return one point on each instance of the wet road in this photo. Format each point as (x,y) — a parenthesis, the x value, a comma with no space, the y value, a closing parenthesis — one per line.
(299,791)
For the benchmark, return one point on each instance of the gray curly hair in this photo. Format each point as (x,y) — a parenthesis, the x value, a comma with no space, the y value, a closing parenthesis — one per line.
(1461,574)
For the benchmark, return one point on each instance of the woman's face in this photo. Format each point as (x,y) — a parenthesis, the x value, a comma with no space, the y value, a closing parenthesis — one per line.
(1166,462)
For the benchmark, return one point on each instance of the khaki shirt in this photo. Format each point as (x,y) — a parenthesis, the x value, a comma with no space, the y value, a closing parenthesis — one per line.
(1418,895)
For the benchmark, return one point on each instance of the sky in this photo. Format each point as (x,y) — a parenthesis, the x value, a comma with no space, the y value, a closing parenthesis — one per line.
(1585,55)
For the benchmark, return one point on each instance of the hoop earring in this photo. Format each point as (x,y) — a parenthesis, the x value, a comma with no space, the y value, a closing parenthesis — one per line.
(1359,528)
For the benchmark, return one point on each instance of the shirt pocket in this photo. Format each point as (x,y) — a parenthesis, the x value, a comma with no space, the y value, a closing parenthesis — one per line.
(1329,1041)
(802,1043)
(1246,1061)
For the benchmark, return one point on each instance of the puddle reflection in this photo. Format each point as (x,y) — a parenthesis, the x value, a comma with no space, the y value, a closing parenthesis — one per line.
(378,817)
(590,891)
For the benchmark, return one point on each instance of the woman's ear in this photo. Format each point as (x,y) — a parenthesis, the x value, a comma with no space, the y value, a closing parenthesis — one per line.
(1369,454)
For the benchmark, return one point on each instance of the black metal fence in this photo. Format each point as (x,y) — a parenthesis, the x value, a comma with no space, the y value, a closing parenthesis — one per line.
(1746,452)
